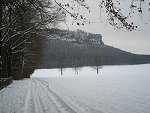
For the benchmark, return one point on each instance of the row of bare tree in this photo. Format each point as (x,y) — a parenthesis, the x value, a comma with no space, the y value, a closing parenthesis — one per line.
(77,64)
(21,39)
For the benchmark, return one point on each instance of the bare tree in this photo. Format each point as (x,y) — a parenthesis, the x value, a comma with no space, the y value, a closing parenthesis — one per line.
(60,66)
(98,64)
(76,64)
(116,17)
(19,20)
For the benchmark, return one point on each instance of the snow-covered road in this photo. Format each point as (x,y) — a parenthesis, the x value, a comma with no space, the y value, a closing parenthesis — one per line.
(31,96)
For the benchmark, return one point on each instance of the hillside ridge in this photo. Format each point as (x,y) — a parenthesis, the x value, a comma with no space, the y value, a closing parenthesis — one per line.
(67,46)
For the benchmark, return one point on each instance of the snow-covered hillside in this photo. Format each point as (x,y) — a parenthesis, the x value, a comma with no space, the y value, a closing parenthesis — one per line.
(116,89)
(67,46)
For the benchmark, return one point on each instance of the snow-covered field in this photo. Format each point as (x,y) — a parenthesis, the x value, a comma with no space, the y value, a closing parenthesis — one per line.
(116,89)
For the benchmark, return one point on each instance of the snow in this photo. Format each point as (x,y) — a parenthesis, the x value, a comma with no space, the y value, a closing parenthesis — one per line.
(116,89)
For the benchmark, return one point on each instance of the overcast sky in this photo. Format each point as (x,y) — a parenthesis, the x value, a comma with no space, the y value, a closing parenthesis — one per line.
(135,42)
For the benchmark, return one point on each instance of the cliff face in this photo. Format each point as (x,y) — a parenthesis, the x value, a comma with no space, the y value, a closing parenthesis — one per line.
(77,36)
(67,46)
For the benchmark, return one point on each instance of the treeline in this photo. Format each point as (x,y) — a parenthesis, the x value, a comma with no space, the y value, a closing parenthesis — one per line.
(57,51)
(21,39)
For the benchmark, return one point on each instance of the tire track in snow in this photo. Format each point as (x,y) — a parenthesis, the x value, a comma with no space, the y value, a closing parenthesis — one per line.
(32,103)
(59,102)
(27,98)
(48,106)
(40,99)
(78,106)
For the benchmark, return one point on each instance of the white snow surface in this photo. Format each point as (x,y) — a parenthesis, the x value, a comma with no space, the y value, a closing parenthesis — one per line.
(116,89)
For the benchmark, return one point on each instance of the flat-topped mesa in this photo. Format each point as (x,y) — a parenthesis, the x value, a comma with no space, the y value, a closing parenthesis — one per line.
(78,36)
(89,38)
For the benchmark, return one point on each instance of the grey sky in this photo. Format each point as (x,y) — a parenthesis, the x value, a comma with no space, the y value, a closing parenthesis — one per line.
(135,42)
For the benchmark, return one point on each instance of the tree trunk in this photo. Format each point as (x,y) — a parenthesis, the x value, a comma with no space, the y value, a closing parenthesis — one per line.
(97,69)
(61,71)
(5,66)
(1,1)
(9,61)
(9,70)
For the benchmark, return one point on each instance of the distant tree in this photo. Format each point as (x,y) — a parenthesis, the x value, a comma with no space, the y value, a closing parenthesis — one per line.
(60,66)
(76,65)
(98,64)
